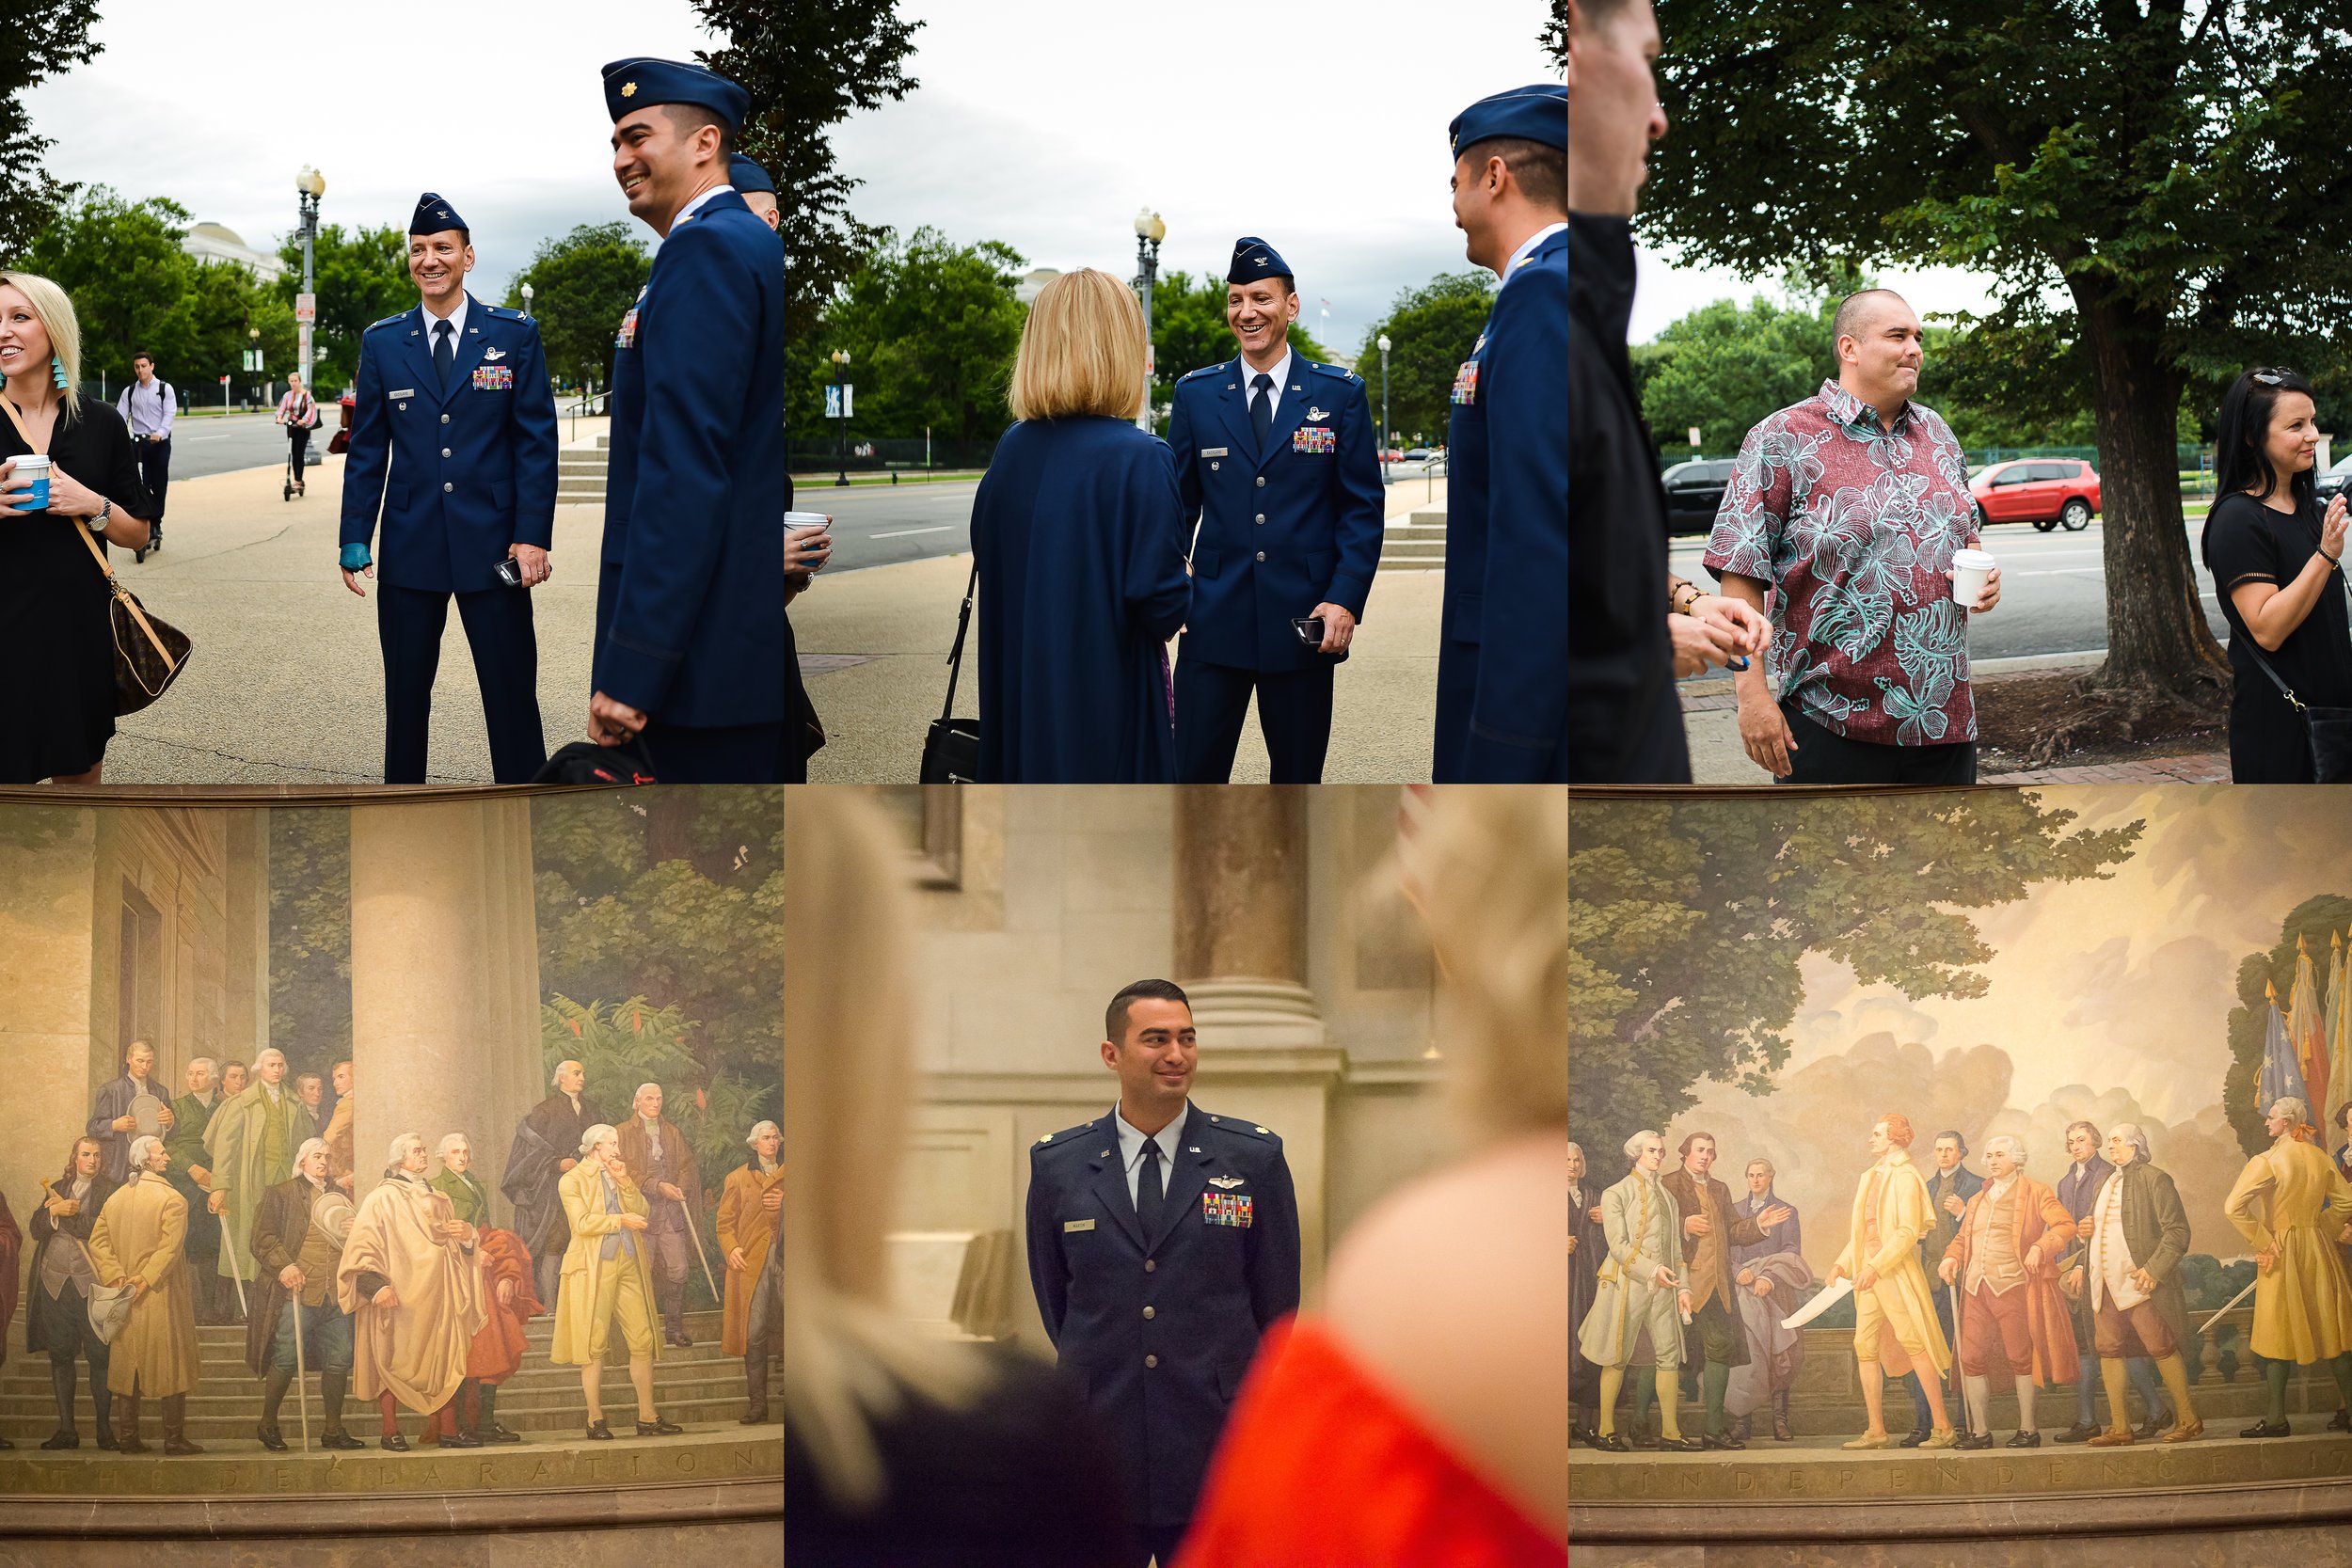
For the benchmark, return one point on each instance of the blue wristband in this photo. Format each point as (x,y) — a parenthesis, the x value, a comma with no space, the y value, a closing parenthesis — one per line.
(354,557)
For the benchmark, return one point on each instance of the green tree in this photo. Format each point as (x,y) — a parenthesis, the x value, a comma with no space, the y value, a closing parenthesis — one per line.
(806,69)
(582,284)
(43,39)
(1431,330)
(1688,922)
(2317,920)
(361,276)
(1725,367)
(930,327)
(2171,168)
(309,932)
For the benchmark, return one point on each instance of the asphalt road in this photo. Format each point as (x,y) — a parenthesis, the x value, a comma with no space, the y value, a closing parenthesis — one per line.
(2053,591)
(222,443)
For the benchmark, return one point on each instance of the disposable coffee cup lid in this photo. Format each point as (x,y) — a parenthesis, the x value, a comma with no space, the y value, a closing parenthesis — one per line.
(1972,557)
(31,460)
(805,519)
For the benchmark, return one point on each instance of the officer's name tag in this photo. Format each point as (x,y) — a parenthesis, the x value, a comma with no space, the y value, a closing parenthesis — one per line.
(1214,451)
(1226,1208)
(1314,438)
(404,392)
(1077,1225)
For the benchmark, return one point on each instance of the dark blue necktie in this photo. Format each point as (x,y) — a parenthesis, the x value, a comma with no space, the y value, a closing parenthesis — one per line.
(1262,408)
(1150,1192)
(444,351)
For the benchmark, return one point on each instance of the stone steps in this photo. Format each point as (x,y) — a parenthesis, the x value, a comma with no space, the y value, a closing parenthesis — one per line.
(1416,544)
(580,473)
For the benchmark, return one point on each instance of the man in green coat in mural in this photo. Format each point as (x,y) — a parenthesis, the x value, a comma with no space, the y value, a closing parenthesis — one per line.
(252,1139)
(190,1175)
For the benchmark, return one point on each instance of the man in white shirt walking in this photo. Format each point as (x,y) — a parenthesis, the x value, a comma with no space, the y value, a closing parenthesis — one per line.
(148,407)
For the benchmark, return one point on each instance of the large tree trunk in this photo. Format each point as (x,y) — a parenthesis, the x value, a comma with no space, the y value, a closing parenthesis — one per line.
(2158,643)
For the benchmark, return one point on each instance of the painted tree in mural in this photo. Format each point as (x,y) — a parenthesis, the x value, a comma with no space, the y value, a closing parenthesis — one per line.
(2315,920)
(1689,920)
(310,938)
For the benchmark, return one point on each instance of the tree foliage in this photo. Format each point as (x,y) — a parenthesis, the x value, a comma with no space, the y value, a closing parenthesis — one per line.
(310,936)
(582,283)
(1689,921)
(1431,330)
(2165,183)
(134,289)
(2315,919)
(930,327)
(806,69)
(361,277)
(43,39)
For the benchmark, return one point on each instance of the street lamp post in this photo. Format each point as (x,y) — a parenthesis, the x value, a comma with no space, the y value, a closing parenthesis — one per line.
(527,293)
(841,404)
(1149,231)
(309,186)
(1384,408)
(253,369)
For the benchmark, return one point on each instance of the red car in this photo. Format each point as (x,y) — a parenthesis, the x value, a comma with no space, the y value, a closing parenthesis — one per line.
(2047,491)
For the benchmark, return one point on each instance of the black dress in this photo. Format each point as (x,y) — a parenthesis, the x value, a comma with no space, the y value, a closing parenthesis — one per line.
(2247,541)
(1024,1479)
(57,647)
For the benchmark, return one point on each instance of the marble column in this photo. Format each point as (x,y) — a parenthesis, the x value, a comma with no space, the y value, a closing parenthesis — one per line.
(1242,886)
(444,980)
(50,1029)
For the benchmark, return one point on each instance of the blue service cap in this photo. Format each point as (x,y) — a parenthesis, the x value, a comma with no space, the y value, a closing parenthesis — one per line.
(746,176)
(631,85)
(434,216)
(1254,258)
(1537,114)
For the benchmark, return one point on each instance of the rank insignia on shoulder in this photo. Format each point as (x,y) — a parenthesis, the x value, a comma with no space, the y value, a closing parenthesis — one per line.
(1224,1180)
(1226,1208)
(1076,1225)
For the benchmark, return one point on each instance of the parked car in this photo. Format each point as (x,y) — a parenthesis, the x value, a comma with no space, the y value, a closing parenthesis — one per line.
(1694,490)
(1418,454)
(2045,491)
(2335,481)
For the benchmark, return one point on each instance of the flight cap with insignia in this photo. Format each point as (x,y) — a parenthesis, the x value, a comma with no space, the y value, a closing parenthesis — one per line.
(434,216)
(1537,114)
(748,176)
(1254,258)
(631,85)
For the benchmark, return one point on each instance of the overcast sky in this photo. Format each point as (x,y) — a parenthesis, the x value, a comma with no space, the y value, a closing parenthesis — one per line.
(217,105)
(1047,124)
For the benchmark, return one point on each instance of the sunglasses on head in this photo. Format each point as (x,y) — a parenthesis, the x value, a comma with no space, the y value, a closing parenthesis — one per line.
(2272,378)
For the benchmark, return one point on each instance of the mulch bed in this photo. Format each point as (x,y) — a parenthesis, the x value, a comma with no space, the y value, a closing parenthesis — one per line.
(2017,714)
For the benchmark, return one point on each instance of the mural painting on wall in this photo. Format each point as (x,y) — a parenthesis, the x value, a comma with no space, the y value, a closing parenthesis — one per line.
(1914,1129)
(248,1219)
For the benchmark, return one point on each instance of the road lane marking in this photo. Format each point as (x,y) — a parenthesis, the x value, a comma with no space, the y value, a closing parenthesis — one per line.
(909,533)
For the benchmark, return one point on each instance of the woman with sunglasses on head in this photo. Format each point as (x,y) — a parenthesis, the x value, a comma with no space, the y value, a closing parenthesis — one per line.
(2277,564)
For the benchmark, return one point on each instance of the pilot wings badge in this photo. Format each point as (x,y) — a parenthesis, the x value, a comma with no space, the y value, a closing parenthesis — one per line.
(1224,1180)
(494,353)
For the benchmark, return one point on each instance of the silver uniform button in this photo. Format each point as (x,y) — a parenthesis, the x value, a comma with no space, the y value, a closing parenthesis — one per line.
(1261,555)
(1150,1360)
(1262,516)
(1262,481)
(444,418)
(1149,1265)
(446,487)
(444,452)
(1149,1313)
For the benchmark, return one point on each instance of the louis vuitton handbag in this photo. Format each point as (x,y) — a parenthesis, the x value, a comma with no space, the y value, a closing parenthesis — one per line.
(150,652)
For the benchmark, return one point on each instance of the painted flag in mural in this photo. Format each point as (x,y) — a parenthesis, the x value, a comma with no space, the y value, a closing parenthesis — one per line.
(2307,1031)
(2339,1041)
(2281,1075)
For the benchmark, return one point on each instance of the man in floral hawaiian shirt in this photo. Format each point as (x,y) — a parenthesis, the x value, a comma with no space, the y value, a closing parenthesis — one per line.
(1847,507)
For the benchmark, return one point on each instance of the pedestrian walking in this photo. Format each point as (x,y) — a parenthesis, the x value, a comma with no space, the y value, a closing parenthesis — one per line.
(148,408)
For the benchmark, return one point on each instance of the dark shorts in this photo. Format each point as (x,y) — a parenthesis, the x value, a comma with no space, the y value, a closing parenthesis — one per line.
(1825,757)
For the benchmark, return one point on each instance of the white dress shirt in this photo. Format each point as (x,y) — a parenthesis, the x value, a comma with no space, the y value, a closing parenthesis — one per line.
(456,320)
(697,204)
(1533,240)
(1130,1142)
(1281,371)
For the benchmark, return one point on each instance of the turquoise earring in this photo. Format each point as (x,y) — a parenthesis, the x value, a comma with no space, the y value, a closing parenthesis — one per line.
(58,367)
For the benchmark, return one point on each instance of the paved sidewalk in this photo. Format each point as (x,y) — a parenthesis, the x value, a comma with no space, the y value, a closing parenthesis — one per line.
(287,683)
(874,651)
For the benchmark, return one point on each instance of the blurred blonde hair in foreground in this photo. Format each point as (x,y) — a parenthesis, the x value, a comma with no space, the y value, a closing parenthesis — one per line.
(848,1076)
(1082,351)
(1487,867)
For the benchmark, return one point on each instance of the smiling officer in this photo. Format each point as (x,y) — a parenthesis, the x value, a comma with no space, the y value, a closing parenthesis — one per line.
(453,398)
(1275,459)
(1163,1241)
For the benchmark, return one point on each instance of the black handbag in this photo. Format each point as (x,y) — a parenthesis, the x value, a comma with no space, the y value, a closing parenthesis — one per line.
(2329,730)
(951,747)
(584,762)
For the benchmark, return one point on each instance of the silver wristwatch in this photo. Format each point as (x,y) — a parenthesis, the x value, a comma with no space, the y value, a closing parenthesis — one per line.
(98,524)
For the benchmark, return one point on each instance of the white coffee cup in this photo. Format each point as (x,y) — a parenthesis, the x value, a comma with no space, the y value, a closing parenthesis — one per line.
(1969,570)
(805,522)
(36,470)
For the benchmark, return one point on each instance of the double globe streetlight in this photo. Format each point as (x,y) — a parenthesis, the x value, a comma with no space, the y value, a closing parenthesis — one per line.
(1149,231)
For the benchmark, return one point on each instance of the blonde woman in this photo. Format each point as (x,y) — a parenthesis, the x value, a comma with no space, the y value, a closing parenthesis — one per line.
(896,1448)
(55,643)
(1422,1414)
(1077,537)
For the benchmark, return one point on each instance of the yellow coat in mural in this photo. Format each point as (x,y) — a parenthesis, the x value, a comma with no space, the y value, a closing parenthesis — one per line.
(2292,1197)
(583,1191)
(1895,1321)
(142,1234)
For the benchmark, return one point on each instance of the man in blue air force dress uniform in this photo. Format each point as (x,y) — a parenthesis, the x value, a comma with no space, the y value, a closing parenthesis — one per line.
(1275,457)
(1158,1257)
(453,438)
(691,645)
(1503,663)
